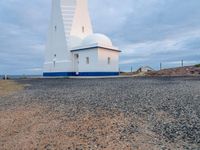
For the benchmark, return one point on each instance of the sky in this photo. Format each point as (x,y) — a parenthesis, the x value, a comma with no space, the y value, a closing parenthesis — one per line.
(147,31)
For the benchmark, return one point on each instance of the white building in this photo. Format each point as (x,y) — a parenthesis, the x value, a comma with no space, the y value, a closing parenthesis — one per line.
(145,69)
(72,47)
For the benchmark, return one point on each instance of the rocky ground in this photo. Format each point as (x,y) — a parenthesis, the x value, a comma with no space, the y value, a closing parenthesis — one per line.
(157,113)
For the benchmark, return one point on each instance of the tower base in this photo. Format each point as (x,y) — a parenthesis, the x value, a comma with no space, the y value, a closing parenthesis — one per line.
(66,74)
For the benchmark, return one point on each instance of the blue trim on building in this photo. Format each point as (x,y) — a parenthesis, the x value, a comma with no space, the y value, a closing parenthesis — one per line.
(58,74)
(98,74)
(92,47)
(65,74)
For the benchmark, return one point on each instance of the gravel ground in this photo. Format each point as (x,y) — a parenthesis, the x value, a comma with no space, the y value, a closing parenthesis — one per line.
(119,113)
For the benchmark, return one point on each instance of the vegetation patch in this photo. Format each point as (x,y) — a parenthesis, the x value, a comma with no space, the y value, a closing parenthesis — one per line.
(198,65)
(8,87)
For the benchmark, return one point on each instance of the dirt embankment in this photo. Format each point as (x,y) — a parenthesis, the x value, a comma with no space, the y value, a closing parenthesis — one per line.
(182,71)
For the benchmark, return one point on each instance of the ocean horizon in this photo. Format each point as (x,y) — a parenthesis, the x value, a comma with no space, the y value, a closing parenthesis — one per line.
(20,76)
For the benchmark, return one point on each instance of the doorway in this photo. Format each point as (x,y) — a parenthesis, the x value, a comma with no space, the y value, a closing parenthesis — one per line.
(76,64)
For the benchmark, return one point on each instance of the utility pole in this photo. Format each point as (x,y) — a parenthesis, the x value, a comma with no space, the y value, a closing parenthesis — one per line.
(131,69)
(160,66)
(182,63)
(5,77)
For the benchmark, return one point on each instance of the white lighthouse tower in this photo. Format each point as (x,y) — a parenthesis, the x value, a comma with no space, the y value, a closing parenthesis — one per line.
(72,48)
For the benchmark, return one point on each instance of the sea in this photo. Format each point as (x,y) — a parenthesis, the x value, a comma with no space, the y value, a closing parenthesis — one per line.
(20,76)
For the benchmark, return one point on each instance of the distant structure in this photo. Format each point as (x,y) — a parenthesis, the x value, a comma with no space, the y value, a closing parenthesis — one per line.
(145,69)
(72,48)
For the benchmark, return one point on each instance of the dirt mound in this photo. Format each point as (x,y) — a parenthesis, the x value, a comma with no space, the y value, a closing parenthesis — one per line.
(181,71)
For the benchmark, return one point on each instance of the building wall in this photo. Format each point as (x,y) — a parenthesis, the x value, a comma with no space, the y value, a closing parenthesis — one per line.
(103,65)
(98,60)
(93,60)
(67,19)
(81,25)
(69,24)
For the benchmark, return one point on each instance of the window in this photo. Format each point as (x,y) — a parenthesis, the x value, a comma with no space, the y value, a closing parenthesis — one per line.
(83,29)
(87,60)
(109,60)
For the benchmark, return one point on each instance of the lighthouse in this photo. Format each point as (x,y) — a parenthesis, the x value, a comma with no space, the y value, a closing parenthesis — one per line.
(72,48)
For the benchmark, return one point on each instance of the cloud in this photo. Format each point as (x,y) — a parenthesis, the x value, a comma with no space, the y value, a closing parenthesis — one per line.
(23,26)
(153,31)
(147,32)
